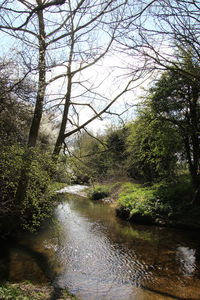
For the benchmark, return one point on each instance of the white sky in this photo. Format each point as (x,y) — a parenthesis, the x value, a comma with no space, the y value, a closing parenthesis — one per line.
(111,73)
(109,78)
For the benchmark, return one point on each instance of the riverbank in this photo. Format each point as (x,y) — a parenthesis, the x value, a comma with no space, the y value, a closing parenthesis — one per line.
(98,256)
(159,204)
(27,289)
(30,291)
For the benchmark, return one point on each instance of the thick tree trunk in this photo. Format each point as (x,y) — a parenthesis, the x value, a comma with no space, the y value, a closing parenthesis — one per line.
(33,134)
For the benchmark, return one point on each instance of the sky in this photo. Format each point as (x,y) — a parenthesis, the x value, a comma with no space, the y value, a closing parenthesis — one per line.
(109,77)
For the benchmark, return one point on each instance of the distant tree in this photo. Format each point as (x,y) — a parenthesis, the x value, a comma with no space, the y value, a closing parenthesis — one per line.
(175,99)
(116,150)
(153,148)
(100,157)
(89,157)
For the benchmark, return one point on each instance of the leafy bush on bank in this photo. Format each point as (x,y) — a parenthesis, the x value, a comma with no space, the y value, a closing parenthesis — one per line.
(98,192)
(159,200)
(36,205)
(134,198)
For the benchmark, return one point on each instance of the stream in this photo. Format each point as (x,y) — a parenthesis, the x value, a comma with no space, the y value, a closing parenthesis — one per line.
(88,250)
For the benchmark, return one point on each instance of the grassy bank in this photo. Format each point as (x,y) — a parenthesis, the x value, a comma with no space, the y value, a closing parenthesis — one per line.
(162,204)
(29,291)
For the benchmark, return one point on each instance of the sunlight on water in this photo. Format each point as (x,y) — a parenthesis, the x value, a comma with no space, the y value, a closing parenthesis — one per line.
(100,257)
(96,265)
(92,262)
(187,259)
(73,189)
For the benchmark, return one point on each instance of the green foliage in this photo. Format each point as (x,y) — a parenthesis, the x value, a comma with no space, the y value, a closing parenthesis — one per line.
(116,146)
(100,157)
(146,149)
(30,291)
(55,186)
(99,192)
(175,100)
(12,292)
(15,292)
(159,200)
(136,199)
(177,196)
(36,205)
(88,161)
(10,165)
(153,148)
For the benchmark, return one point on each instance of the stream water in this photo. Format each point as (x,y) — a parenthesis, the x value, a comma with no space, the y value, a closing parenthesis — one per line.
(98,256)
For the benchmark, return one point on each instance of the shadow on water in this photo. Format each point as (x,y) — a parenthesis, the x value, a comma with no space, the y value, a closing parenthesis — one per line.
(42,270)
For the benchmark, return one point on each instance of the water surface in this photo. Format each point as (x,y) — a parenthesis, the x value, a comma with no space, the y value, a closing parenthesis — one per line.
(98,256)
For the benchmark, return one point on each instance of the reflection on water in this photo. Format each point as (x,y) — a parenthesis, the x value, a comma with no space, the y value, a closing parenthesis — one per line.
(98,256)
(89,255)
(187,259)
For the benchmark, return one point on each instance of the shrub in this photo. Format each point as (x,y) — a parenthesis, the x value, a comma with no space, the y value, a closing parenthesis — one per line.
(99,192)
(136,199)
(36,205)
(159,200)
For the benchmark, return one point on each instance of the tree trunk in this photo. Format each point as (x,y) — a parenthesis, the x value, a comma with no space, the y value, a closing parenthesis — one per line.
(33,134)
(60,138)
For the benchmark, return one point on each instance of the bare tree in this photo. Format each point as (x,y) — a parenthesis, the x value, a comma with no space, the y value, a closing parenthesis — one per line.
(64,40)
(59,44)
(164,27)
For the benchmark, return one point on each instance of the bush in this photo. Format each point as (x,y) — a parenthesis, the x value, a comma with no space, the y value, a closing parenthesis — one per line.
(136,199)
(10,165)
(159,200)
(174,197)
(36,205)
(99,192)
